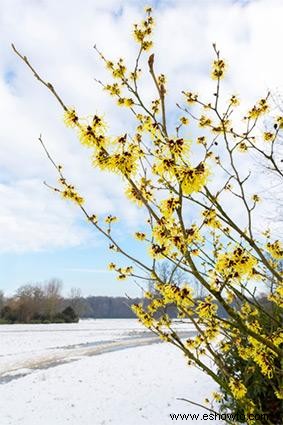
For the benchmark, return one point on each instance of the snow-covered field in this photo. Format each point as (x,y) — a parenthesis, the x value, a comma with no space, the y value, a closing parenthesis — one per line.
(95,372)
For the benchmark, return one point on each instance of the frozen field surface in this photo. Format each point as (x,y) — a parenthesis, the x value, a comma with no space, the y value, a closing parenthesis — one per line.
(95,373)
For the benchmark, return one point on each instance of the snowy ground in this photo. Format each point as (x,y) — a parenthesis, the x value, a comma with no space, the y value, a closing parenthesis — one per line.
(95,373)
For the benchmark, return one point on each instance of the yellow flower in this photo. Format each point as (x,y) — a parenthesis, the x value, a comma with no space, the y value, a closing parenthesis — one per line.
(164,166)
(267,136)
(123,101)
(242,147)
(110,219)
(210,218)
(275,249)
(237,388)
(279,393)
(218,69)
(111,266)
(259,109)
(204,121)
(217,396)
(207,309)
(184,120)
(147,45)
(255,198)
(141,192)
(143,32)
(90,137)
(178,146)
(70,118)
(158,251)
(192,179)
(148,295)
(195,252)
(113,89)
(237,264)
(161,79)
(191,97)
(168,206)
(120,70)
(201,140)
(234,100)
(140,236)
(70,193)
(93,218)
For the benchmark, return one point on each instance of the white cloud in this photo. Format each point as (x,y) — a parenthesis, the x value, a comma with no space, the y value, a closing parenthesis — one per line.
(31,219)
(58,38)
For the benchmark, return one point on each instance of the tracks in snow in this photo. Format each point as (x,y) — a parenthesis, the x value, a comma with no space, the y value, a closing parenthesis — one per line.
(67,354)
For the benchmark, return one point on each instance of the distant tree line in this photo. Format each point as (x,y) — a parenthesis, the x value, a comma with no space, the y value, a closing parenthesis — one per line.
(44,303)
(37,303)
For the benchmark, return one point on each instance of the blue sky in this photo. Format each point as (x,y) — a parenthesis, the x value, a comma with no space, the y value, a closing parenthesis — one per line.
(40,235)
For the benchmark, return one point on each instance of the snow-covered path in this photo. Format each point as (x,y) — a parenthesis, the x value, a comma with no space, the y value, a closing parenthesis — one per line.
(133,386)
(70,353)
(26,348)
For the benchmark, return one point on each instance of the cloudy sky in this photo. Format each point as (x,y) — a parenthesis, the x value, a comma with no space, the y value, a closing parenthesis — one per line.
(40,235)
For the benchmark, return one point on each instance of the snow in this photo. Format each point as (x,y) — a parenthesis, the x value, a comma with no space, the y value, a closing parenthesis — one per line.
(120,384)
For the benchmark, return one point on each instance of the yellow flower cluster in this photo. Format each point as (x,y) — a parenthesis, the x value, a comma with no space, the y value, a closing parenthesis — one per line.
(218,69)
(143,317)
(92,134)
(178,146)
(210,218)
(113,89)
(124,161)
(118,71)
(191,97)
(70,118)
(69,192)
(169,235)
(204,121)
(123,273)
(147,124)
(192,179)
(247,311)
(237,264)
(141,191)
(125,101)
(184,121)
(223,127)
(143,32)
(261,355)
(275,249)
(168,206)
(257,110)
(207,309)
(182,297)
(165,167)
(155,106)
(237,388)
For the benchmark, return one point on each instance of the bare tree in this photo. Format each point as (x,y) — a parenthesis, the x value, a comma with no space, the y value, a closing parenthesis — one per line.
(29,301)
(76,301)
(52,293)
